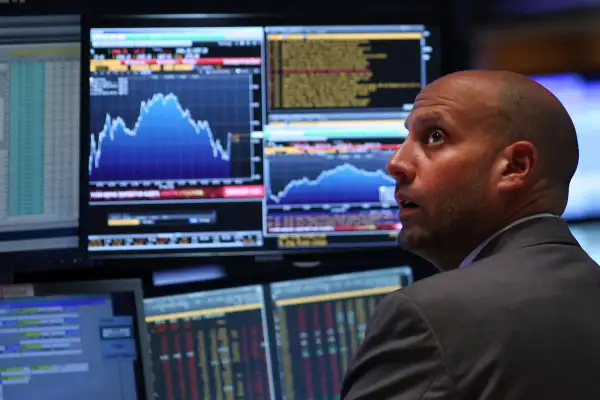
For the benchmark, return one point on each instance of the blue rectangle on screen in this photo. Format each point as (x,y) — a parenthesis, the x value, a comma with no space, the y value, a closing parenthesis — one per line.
(119,349)
(57,303)
(117,320)
(12,348)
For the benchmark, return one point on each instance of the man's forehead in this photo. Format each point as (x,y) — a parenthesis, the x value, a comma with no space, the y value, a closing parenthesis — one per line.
(460,87)
(460,96)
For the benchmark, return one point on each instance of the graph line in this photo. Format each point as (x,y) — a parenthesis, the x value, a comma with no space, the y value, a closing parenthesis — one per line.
(346,177)
(158,104)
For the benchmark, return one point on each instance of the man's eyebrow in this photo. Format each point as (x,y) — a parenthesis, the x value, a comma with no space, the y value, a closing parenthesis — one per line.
(425,119)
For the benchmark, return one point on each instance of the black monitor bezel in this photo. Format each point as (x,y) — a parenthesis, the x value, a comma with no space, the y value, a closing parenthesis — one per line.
(102,287)
(281,273)
(432,20)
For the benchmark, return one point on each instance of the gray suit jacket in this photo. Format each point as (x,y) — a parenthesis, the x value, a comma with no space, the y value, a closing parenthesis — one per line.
(522,322)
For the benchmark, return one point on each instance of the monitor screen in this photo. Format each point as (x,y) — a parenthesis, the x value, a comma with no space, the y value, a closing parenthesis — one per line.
(319,323)
(39,133)
(248,138)
(73,341)
(210,345)
(588,236)
(581,97)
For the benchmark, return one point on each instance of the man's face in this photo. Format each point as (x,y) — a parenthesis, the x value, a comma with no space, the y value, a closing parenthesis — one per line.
(444,166)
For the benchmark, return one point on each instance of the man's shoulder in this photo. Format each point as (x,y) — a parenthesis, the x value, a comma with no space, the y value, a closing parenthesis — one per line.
(464,281)
(523,272)
(447,294)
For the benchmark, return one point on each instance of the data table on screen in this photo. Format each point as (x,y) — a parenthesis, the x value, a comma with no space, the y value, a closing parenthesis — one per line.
(210,345)
(41,146)
(351,68)
(319,324)
(39,135)
(66,347)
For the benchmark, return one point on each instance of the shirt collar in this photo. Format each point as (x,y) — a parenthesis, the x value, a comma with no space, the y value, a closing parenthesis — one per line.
(473,255)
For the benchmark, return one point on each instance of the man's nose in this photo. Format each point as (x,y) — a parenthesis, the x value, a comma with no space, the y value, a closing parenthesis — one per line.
(399,165)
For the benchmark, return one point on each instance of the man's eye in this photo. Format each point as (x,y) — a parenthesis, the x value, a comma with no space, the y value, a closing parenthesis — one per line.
(435,137)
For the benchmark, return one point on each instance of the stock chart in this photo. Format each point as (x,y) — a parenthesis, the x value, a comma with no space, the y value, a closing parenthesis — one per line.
(354,84)
(320,322)
(328,173)
(179,148)
(174,158)
(210,345)
(171,129)
(335,186)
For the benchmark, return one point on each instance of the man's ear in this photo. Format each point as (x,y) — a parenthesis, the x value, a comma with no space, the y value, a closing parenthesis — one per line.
(517,165)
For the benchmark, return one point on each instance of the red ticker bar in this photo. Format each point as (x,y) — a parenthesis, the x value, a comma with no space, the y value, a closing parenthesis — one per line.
(240,192)
(196,61)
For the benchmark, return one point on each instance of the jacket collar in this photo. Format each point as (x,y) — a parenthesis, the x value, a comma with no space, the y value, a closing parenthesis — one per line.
(473,255)
(531,232)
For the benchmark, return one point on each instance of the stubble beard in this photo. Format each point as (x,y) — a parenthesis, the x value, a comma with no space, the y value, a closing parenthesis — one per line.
(428,234)
(437,234)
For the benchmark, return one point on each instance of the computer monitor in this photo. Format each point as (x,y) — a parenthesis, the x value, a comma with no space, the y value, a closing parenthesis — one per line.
(73,341)
(319,324)
(588,236)
(210,345)
(337,99)
(581,97)
(248,136)
(39,133)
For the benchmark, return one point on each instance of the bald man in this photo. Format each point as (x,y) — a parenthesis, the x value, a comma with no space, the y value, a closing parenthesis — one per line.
(482,179)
